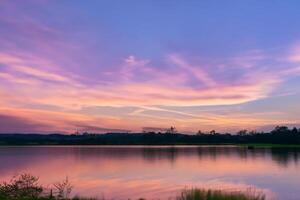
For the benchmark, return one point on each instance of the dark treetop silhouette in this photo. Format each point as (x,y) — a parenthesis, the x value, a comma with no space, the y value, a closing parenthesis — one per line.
(280,135)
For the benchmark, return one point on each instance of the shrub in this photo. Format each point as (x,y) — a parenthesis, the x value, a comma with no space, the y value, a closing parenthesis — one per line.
(64,189)
(24,187)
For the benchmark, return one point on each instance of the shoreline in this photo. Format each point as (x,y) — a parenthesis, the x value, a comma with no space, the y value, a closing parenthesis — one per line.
(249,146)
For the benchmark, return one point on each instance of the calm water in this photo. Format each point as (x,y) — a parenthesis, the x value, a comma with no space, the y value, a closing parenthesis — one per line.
(158,172)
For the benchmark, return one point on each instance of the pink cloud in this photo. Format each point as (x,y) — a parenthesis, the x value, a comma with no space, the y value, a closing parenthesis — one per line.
(294,55)
(196,71)
(132,60)
(40,85)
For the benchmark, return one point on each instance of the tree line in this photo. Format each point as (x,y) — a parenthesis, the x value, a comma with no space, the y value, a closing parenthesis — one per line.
(279,135)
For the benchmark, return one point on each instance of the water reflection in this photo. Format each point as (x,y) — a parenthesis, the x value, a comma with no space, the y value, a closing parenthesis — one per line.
(128,172)
(280,156)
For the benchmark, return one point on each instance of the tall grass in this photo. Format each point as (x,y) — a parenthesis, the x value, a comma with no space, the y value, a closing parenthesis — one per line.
(202,194)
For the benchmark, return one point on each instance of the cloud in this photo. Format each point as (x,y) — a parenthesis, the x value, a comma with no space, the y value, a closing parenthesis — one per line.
(40,74)
(248,60)
(14,79)
(196,71)
(37,120)
(294,55)
(97,129)
(23,86)
(21,65)
(13,124)
(134,93)
(154,129)
(132,60)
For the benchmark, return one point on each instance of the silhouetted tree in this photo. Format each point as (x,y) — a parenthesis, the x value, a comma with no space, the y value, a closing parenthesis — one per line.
(252,133)
(85,133)
(280,129)
(172,130)
(242,132)
(295,130)
(199,133)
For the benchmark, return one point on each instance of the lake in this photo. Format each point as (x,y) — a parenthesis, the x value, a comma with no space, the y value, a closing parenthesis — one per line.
(123,172)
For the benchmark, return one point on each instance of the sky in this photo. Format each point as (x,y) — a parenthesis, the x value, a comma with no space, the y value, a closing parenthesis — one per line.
(114,65)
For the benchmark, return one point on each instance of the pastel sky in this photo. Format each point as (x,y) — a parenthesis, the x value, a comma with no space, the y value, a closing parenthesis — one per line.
(117,65)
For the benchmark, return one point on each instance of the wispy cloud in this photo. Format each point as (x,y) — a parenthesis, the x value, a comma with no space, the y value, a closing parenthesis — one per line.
(15,124)
(294,54)
(195,71)
(132,60)
(71,95)
(90,128)
(49,72)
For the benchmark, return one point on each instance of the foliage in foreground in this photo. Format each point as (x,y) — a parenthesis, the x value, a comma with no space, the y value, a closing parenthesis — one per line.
(26,187)
(202,194)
